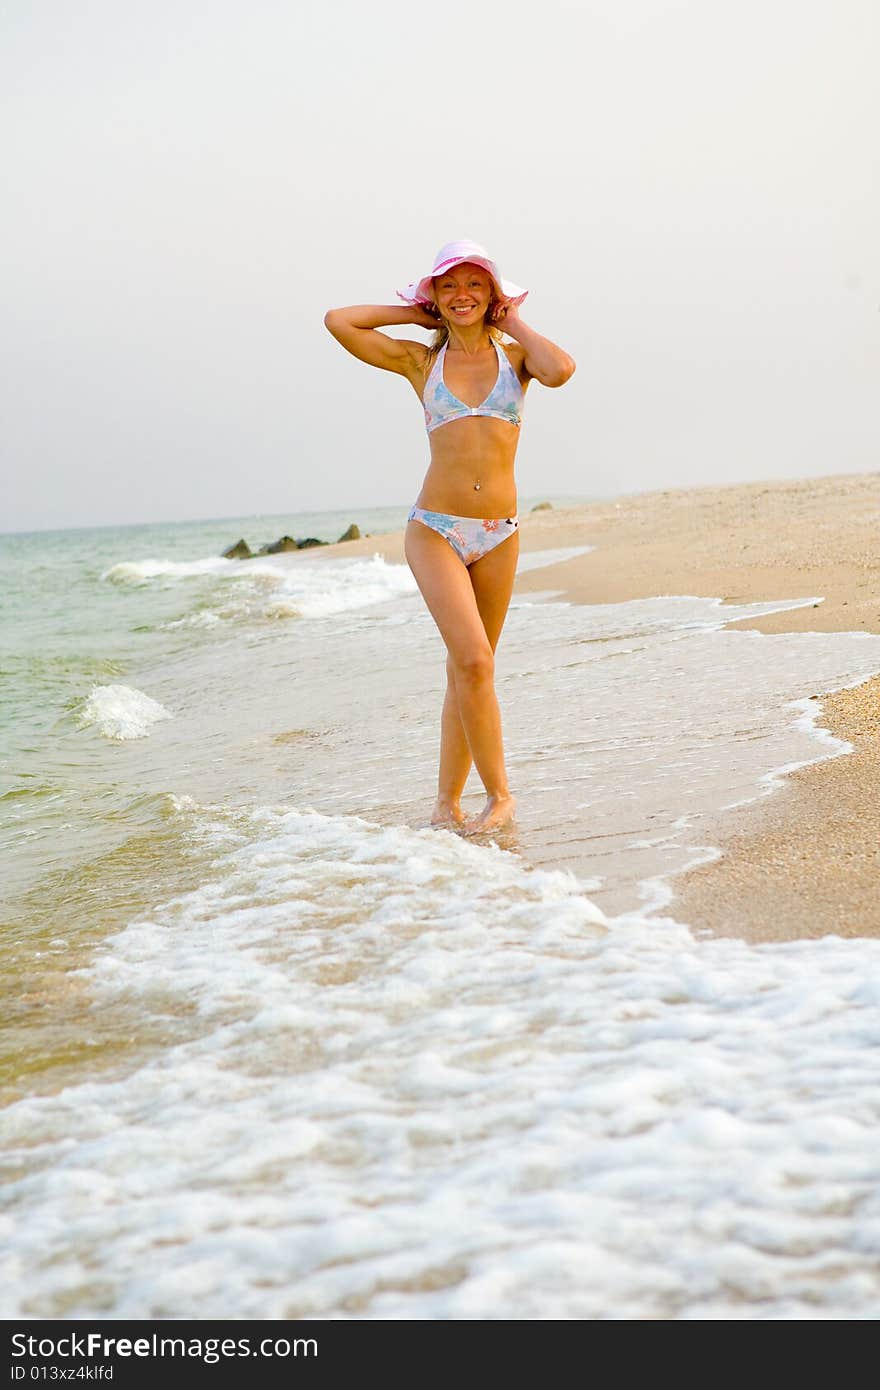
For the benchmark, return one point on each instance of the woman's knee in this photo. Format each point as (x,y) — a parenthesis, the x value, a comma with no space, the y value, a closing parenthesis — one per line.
(474,667)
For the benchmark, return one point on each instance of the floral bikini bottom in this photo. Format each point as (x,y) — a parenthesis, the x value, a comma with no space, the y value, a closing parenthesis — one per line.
(471,537)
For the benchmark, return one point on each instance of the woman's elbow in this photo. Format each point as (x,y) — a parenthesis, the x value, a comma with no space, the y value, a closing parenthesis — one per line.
(338,324)
(563,373)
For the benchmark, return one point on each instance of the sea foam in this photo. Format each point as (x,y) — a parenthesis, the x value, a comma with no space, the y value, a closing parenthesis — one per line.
(280,586)
(422,1081)
(121,712)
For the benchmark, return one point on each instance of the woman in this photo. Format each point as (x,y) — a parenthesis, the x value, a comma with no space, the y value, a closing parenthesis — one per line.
(461,537)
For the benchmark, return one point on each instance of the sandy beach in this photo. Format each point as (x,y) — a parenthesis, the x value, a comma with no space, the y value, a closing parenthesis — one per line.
(805,860)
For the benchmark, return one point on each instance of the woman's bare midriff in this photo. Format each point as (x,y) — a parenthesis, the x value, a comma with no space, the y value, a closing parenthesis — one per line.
(478,449)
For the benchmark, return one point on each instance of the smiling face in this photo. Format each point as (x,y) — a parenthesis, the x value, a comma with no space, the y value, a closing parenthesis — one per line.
(464,293)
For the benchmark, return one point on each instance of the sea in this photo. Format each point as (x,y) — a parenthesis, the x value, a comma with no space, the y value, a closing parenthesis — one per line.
(273,1047)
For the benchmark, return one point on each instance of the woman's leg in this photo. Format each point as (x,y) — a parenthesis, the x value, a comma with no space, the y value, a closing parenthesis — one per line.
(455,757)
(458,599)
(492,581)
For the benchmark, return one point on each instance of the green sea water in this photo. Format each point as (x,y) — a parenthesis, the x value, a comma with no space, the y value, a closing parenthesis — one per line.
(67,628)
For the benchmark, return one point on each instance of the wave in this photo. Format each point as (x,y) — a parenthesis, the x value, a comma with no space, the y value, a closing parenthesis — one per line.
(298,586)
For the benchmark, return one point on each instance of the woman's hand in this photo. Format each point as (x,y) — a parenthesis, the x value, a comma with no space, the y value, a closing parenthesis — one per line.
(506,317)
(425,317)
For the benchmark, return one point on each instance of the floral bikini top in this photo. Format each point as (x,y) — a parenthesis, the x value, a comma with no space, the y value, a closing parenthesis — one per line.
(504,401)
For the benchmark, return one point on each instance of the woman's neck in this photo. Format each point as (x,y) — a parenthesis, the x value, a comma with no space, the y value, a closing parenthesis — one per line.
(470,340)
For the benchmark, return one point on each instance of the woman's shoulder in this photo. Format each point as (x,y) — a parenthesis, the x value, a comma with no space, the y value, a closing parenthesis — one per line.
(516,355)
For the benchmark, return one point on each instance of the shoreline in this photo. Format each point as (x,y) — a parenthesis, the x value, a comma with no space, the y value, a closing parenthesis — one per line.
(804,860)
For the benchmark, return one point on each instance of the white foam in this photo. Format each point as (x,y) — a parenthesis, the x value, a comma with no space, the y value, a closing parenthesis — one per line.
(336,586)
(121,712)
(142,571)
(419,1081)
(281,586)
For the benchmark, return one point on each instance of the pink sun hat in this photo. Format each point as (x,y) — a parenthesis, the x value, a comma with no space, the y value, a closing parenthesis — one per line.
(457,253)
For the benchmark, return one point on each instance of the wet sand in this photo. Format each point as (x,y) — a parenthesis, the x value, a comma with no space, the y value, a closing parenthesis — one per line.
(804,861)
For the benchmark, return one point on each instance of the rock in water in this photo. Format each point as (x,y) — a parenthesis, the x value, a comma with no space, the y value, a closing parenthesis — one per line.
(285,543)
(543,507)
(240,551)
(309,540)
(352,534)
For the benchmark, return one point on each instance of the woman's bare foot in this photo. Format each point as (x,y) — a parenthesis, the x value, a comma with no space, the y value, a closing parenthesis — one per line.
(447,814)
(498,810)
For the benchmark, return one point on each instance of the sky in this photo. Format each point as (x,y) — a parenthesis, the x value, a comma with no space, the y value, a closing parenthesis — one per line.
(689,190)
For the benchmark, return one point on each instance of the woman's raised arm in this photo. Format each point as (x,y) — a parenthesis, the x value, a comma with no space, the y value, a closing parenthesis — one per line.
(543,360)
(355,328)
